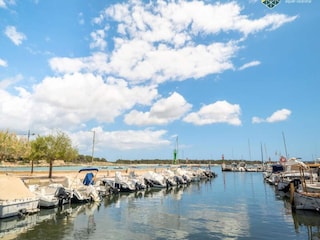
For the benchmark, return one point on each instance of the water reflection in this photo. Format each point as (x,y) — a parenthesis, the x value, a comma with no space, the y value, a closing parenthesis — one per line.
(303,220)
(11,227)
(49,223)
(309,220)
(236,206)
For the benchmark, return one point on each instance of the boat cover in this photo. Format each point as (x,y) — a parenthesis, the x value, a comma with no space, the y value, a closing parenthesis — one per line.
(12,188)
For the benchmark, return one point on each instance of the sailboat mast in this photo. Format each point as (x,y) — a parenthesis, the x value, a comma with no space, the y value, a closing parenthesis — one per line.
(285,146)
(261,152)
(249,149)
(177,145)
(93,139)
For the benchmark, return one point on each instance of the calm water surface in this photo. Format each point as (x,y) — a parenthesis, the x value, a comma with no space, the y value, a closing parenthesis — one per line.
(231,206)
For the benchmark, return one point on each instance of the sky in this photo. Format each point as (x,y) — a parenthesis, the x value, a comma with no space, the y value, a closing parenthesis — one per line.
(137,79)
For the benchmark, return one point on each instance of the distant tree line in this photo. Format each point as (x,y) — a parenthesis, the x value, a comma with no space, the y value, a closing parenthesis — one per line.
(182,161)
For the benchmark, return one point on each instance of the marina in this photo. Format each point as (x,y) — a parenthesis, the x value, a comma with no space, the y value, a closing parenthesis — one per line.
(233,205)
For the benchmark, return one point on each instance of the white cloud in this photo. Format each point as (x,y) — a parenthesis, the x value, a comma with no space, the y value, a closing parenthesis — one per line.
(121,140)
(2,4)
(278,116)
(140,139)
(269,22)
(250,64)
(168,41)
(16,111)
(3,63)
(218,112)
(68,101)
(163,111)
(257,120)
(5,3)
(98,40)
(79,98)
(138,61)
(14,36)
(10,81)
(95,63)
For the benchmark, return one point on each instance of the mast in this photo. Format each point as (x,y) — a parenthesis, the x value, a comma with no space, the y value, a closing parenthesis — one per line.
(285,146)
(261,149)
(249,149)
(93,139)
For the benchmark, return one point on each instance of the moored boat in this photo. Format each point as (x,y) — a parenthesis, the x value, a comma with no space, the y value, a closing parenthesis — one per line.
(306,201)
(50,196)
(16,198)
(83,190)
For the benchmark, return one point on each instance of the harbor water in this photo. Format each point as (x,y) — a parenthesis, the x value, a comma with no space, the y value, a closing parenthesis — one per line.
(234,205)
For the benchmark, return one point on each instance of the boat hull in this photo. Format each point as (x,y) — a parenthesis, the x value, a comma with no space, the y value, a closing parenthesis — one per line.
(307,201)
(10,208)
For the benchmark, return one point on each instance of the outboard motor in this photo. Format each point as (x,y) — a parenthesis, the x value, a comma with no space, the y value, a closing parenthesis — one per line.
(62,195)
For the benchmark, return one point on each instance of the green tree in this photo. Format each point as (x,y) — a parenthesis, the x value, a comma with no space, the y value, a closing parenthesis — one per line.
(53,147)
(13,147)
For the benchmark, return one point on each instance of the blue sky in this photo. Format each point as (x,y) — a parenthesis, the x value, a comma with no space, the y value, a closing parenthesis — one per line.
(221,77)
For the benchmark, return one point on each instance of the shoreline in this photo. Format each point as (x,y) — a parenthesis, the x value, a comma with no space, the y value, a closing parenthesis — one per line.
(103,172)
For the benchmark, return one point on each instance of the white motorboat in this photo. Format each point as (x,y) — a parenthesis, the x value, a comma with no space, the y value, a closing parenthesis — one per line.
(170,176)
(128,184)
(16,198)
(83,190)
(50,196)
(155,180)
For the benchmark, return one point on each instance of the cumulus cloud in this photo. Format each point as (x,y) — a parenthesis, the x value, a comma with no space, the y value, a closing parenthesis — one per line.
(79,97)
(278,116)
(15,36)
(73,99)
(95,63)
(169,41)
(121,140)
(98,39)
(218,112)
(16,111)
(163,111)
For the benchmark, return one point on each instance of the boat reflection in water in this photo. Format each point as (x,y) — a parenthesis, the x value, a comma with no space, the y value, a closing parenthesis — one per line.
(303,220)
(29,225)
(235,206)
(11,227)
(309,220)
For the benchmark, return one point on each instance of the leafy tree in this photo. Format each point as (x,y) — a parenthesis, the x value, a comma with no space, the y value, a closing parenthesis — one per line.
(53,147)
(13,147)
